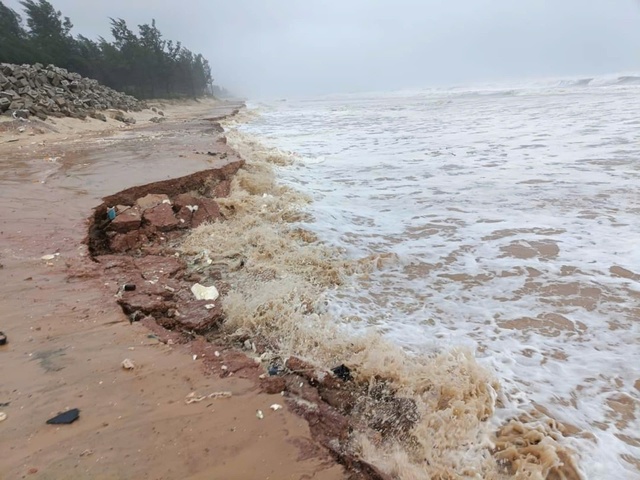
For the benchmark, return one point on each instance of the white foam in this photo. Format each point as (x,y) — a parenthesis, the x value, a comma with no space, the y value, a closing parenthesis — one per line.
(500,208)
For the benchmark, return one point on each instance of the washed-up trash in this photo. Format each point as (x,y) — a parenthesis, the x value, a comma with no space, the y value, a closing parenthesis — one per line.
(259,414)
(274,370)
(129,287)
(275,407)
(50,256)
(111,213)
(204,293)
(342,372)
(3,338)
(65,418)
(3,416)
(128,364)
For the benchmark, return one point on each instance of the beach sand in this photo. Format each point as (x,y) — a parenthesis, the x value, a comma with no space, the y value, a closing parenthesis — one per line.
(67,336)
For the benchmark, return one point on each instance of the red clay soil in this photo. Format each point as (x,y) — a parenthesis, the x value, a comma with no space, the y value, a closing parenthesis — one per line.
(68,336)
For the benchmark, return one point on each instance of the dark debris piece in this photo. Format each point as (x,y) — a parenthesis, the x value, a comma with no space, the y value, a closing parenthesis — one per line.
(65,418)
(342,372)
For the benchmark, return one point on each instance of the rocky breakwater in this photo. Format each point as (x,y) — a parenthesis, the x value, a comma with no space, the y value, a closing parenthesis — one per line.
(41,91)
(133,235)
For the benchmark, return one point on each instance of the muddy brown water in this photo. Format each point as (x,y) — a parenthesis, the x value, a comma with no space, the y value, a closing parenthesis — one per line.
(67,337)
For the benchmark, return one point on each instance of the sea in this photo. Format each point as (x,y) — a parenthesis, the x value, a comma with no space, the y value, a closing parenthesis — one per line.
(512,213)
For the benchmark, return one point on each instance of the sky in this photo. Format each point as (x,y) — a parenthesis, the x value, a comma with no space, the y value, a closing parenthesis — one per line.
(279,48)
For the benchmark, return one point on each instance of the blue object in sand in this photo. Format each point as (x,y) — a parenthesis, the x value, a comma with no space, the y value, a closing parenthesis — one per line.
(111,213)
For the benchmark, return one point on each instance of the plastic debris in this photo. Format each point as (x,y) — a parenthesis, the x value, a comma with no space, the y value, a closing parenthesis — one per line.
(65,418)
(209,306)
(259,414)
(50,256)
(129,287)
(127,364)
(275,407)
(3,338)
(204,293)
(3,416)
(111,213)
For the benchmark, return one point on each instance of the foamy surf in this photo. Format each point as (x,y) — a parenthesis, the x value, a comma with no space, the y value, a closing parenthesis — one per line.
(282,280)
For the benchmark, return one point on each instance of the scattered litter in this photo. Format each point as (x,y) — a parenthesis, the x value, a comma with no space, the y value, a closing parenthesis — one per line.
(192,208)
(50,256)
(127,364)
(342,372)
(3,338)
(259,414)
(204,293)
(195,357)
(275,407)
(5,404)
(111,213)
(224,368)
(65,418)
(129,287)
(274,370)
(3,416)
(166,200)
(216,353)
(193,397)
(209,306)
(86,453)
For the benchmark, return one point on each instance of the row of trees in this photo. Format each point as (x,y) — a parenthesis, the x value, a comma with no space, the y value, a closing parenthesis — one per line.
(143,64)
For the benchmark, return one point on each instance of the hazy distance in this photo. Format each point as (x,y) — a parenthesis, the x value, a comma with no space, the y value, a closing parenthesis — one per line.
(272,48)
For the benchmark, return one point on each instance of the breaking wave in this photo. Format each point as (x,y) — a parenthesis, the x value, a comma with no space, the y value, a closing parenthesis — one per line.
(279,275)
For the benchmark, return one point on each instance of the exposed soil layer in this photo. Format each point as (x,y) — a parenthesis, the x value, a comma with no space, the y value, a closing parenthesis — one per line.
(136,249)
(68,338)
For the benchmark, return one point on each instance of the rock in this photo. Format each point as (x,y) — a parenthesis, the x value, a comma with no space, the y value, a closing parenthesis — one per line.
(124,242)
(127,364)
(4,104)
(200,292)
(208,211)
(195,317)
(222,189)
(126,221)
(184,216)
(151,200)
(273,385)
(161,218)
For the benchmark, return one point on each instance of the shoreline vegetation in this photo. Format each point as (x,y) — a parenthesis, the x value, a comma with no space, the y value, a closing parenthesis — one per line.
(141,64)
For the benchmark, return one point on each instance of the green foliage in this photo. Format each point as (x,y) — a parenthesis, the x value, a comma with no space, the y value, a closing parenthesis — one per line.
(143,64)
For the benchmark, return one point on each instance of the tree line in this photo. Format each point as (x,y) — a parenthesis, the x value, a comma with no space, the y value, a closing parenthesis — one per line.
(142,64)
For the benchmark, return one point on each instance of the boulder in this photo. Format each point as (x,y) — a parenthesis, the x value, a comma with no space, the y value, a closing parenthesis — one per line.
(127,221)
(151,200)
(208,211)
(161,218)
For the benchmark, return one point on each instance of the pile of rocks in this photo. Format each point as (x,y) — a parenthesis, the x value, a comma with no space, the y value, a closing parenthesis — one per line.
(51,91)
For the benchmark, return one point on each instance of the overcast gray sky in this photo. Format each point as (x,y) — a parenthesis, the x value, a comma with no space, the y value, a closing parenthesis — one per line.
(285,47)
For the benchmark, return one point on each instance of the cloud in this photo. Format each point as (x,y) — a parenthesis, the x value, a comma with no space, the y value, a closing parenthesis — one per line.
(288,47)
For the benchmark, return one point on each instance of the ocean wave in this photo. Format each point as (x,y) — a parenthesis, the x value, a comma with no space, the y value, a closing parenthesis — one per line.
(281,295)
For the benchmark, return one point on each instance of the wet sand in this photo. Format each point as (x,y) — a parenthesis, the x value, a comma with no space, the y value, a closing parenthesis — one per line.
(67,336)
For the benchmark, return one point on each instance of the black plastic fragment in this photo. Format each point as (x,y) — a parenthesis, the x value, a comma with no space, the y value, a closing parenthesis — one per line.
(274,370)
(129,287)
(3,338)
(65,418)
(342,372)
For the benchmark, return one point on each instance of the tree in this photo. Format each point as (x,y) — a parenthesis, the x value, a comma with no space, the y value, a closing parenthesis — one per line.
(49,32)
(143,64)
(12,37)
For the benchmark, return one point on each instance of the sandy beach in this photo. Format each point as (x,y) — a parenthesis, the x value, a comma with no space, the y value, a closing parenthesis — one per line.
(67,336)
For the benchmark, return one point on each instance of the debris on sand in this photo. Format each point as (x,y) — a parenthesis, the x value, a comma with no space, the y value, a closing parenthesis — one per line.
(65,418)
(128,364)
